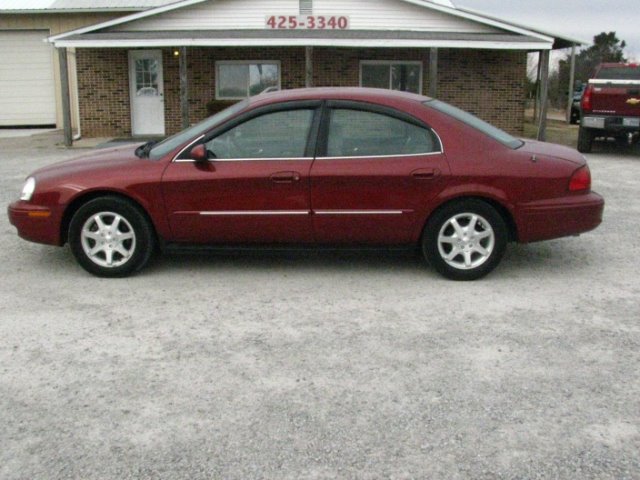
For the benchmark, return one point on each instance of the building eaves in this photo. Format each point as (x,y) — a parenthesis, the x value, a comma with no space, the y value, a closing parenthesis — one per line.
(63,6)
(560,41)
(333,38)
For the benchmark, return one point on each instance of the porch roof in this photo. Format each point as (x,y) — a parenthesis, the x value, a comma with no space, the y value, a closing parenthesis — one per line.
(283,38)
(241,23)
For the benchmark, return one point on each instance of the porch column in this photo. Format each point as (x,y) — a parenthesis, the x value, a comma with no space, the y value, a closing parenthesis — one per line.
(66,102)
(433,72)
(184,88)
(572,80)
(544,89)
(308,67)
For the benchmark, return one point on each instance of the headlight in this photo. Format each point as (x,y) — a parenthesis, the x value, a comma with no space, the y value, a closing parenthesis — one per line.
(28,189)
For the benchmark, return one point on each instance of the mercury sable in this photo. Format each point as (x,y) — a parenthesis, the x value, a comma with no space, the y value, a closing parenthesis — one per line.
(315,167)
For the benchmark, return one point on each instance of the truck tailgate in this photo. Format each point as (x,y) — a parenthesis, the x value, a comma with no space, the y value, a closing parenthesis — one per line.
(616,98)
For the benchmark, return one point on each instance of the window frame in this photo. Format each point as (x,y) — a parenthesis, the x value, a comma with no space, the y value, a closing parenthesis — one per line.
(390,63)
(220,63)
(312,138)
(323,138)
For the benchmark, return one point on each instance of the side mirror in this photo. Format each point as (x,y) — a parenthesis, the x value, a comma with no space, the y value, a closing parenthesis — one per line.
(199,153)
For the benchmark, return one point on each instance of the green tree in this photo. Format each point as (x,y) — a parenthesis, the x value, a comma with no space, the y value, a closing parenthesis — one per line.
(606,48)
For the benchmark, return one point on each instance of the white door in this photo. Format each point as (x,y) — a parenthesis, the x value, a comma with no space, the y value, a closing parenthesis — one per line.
(147,92)
(27,88)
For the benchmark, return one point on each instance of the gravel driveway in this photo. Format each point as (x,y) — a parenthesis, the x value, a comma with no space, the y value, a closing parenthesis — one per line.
(326,365)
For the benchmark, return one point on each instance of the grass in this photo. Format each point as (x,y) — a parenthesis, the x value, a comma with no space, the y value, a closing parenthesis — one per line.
(557,132)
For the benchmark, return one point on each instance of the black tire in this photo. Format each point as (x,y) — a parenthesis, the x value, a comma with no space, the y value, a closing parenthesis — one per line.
(118,233)
(585,140)
(475,254)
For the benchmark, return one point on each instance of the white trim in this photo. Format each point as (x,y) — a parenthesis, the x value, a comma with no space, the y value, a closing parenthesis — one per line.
(519,25)
(225,213)
(390,63)
(359,212)
(249,159)
(479,18)
(244,62)
(604,81)
(126,19)
(355,157)
(316,42)
(41,11)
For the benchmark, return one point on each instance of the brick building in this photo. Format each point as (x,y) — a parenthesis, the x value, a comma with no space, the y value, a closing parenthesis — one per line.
(153,72)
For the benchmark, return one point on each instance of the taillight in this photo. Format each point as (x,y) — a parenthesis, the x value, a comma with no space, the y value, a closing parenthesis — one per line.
(585,102)
(580,180)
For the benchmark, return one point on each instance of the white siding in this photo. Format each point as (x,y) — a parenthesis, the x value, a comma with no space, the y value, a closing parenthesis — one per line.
(216,15)
(250,14)
(27,89)
(396,15)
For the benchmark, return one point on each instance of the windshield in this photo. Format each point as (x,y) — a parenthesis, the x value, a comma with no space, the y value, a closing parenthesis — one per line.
(174,141)
(619,73)
(474,122)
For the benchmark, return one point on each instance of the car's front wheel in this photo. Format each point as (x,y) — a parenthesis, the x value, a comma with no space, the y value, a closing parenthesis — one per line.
(111,237)
(465,240)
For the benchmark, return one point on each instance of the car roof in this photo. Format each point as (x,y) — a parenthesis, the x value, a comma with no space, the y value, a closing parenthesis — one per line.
(374,95)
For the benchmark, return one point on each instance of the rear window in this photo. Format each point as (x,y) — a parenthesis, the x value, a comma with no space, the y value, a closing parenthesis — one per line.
(474,122)
(619,73)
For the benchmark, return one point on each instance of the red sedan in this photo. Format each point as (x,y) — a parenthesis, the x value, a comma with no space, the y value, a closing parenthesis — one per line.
(316,167)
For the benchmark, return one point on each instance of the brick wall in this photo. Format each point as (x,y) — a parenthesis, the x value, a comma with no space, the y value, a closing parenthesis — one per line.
(103,91)
(488,83)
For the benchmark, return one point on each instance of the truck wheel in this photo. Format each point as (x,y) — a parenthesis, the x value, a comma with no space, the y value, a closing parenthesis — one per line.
(585,140)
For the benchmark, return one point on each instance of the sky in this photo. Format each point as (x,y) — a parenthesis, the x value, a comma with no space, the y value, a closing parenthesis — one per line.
(576,19)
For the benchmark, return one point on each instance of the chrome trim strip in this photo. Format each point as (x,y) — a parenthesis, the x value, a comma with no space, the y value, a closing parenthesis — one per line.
(175,158)
(380,156)
(255,212)
(359,212)
(280,159)
(222,213)
(439,140)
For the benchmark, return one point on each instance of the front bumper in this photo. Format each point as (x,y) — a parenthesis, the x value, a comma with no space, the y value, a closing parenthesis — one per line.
(35,223)
(559,217)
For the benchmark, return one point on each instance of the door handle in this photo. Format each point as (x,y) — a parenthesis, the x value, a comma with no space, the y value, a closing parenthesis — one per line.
(285,177)
(425,173)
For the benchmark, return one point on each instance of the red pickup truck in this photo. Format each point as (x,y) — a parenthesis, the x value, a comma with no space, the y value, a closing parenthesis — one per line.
(611,105)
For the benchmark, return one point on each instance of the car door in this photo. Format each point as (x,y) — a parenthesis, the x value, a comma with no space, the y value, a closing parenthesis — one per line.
(255,185)
(376,171)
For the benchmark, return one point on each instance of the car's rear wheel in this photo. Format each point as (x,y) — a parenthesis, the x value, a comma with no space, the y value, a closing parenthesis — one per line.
(585,140)
(465,240)
(111,237)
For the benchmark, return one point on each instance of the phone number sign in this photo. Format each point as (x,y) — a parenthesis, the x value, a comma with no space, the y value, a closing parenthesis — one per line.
(306,22)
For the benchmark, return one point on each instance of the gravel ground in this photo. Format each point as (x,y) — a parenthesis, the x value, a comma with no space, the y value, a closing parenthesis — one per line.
(324,365)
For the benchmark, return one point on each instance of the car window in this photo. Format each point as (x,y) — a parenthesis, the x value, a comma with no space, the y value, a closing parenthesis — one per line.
(281,134)
(621,72)
(356,133)
(174,141)
(474,122)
